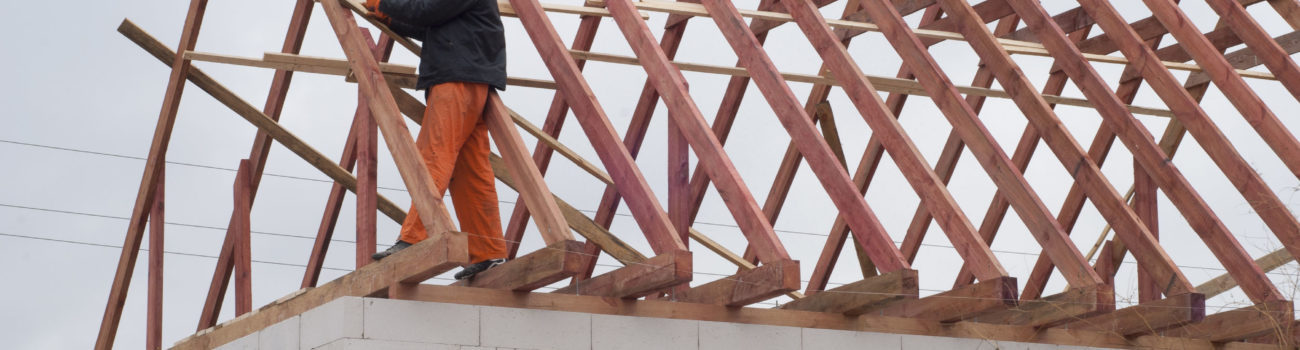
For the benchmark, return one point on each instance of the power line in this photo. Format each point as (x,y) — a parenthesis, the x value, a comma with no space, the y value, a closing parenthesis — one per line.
(302,178)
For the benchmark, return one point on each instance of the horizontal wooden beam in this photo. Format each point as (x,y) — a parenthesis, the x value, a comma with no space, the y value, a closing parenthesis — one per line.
(862,296)
(1072,304)
(419,262)
(403,75)
(538,269)
(961,303)
(764,282)
(639,279)
(887,84)
(1251,321)
(1011,46)
(1146,317)
(794,318)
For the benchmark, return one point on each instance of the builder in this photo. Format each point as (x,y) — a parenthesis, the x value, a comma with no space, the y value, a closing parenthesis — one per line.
(464,56)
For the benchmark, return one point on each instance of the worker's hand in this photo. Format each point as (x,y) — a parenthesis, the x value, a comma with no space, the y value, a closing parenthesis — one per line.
(373,7)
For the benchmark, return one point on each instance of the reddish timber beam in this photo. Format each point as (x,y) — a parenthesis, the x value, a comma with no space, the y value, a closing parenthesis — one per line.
(821,158)
(622,167)
(1086,172)
(862,177)
(1206,224)
(542,153)
(671,85)
(1011,183)
(261,148)
(149,182)
(154,314)
(243,245)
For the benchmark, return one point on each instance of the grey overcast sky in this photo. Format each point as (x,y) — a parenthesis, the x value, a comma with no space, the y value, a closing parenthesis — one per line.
(80,104)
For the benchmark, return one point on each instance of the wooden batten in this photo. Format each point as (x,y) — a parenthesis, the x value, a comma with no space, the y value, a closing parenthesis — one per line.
(538,269)
(638,279)
(1146,317)
(961,303)
(1072,304)
(764,282)
(862,296)
(1260,319)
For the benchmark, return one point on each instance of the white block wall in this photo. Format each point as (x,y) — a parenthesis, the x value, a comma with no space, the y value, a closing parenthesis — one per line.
(370,324)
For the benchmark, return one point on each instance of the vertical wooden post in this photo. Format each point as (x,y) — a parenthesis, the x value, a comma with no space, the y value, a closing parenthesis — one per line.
(679,178)
(1145,205)
(243,243)
(367,151)
(261,149)
(149,182)
(153,319)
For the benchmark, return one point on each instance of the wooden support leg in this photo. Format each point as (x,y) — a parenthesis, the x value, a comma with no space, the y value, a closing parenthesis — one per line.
(1243,323)
(960,303)
(243,246)
(637,280)
(538,269)
(149,182)
(1072,304)
(862,296)
(1146,317)
(153,319)
(764,282)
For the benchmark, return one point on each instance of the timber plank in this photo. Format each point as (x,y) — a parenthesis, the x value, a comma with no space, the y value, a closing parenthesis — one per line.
(764,282)
(862,296)
(1073,303)
(961,303)
(538,269)
(1243,323)
(638,279)
(1146,317)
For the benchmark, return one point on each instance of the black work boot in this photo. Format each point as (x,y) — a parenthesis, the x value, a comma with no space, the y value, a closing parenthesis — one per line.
(394,249)
(475,268)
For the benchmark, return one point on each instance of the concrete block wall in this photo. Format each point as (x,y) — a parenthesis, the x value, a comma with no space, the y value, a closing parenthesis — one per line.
(370,324)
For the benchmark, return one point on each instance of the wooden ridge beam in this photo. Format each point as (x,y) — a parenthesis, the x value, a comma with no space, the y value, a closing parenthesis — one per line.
(421,261)
(552,263)
(638,279)
(1247,322)
(764,282)
(863,296)
(958,304)
(1145,317)
(1072,304)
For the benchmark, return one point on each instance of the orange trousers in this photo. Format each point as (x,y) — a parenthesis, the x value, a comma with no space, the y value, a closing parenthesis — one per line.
(453,142)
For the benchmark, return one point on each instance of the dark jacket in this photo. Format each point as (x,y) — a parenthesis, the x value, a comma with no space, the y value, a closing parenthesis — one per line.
(464,40)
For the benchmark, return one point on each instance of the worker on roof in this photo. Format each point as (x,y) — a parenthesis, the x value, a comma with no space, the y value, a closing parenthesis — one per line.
(463,56)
